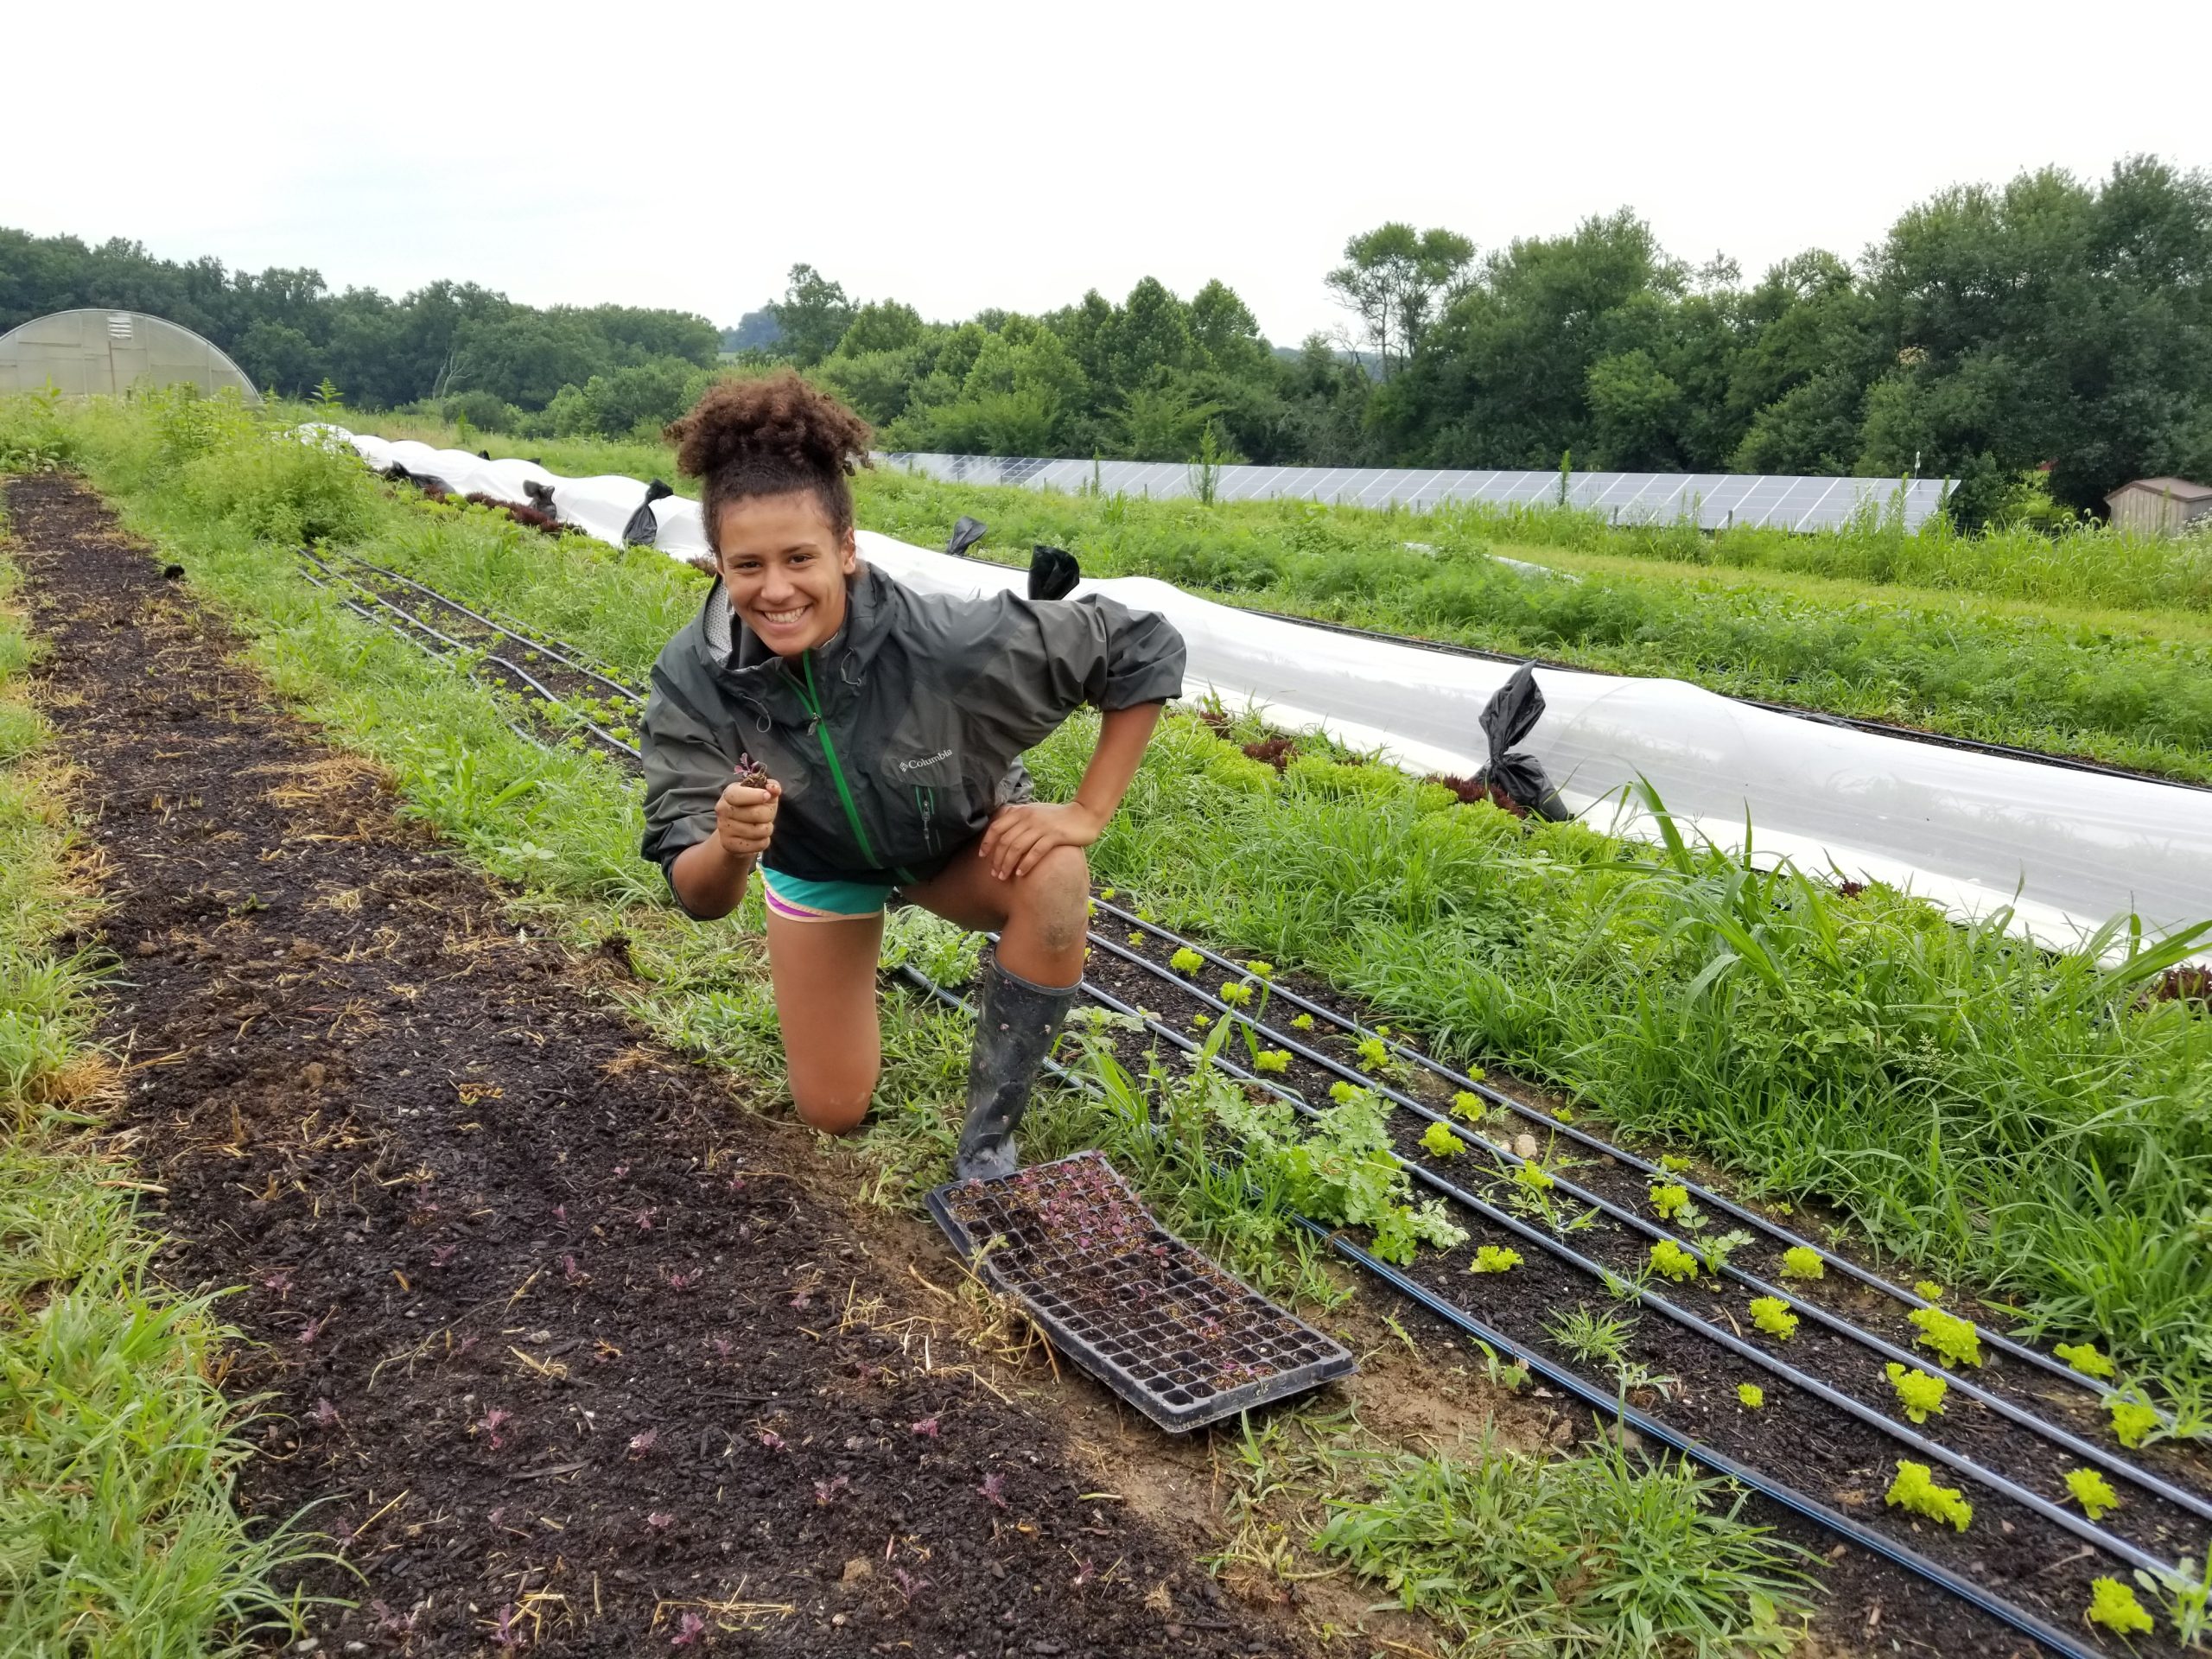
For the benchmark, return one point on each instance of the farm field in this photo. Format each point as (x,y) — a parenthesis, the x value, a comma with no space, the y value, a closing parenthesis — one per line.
(452,1140)
(2094,644)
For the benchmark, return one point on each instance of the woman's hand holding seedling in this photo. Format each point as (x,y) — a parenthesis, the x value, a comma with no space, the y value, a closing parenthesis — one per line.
(744,815)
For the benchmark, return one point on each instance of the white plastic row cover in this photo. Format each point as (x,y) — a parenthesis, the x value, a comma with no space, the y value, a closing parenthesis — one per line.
(2067,850)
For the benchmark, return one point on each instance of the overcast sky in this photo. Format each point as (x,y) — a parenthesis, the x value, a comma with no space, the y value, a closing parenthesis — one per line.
(963,155)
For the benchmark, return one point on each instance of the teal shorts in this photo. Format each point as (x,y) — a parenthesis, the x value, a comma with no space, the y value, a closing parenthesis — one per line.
(797,899)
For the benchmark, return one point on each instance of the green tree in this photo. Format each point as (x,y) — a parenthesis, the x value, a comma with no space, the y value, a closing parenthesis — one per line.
(1393,278)
(812,316)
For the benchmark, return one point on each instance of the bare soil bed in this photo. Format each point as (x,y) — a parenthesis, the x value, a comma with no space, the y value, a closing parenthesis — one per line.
(561,1341)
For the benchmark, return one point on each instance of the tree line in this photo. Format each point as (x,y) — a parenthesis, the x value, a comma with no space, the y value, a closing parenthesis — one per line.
(2040,341)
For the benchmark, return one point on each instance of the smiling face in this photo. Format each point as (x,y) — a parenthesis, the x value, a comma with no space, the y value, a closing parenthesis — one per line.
(785,568)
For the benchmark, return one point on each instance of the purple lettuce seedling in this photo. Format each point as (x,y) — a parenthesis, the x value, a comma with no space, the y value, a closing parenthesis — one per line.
(312,1329)
(680,1281)
(560,1214)
(772,1441)
(723,1346)
(994,1490)
(279,1281)
(658,1520)
(689,1629)
(642,1443)
(927,1427)
(621,1170)
(492,1422)
(572,1273)
(826,1492)
(910,1585)
(442,1255)
(506,1631)
(645,1218)
(802,1300)
(325,1414)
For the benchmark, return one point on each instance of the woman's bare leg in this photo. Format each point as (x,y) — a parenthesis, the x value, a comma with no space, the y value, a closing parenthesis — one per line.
(824,975)
(1041,917)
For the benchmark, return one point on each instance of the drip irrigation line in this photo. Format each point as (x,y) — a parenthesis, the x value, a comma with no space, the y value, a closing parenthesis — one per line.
(2003,1485)
(1788,1237)
(568,656)
(543,691)
(1616,1407)
(2055,1434)
(1843,1526)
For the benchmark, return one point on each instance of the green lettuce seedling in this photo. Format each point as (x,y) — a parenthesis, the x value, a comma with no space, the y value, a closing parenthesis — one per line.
(1441,1141)
(1803,1262)
(1272,1059)
(1670,1200)
(2132,1417)
(1750,1394)
(1948,1335)
(1914,1491)
(1106,893)
(1674,1261)
(1186,961)
(1136,938)
(1343,1093)
(1303,1022)
(1373,1054)
(1673,1164)
(1534,1177)
(2112,1605)
(1928,1290)
(1562,1114)
(1918,1392)
(2092,1491)
(1236,996)
(1467,1106)
(1202,1019)
(1494,1258)
(1261,969)
(1772,1315)
(2084,1358)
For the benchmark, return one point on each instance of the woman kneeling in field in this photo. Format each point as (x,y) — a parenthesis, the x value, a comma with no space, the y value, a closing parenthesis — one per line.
(857,740)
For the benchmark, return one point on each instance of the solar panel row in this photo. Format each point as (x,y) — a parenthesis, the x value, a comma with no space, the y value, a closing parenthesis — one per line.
(1713,500)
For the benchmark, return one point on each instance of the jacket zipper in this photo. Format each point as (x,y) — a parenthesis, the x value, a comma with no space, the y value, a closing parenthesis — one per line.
(821,728)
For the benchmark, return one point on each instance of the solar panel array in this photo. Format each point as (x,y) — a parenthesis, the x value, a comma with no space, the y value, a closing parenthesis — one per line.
(1713,500)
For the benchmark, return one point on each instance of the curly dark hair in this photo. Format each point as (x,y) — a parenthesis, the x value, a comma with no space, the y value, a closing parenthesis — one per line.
(770,436)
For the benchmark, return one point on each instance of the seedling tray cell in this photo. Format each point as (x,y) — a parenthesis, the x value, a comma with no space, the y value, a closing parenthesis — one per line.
(1182,1341)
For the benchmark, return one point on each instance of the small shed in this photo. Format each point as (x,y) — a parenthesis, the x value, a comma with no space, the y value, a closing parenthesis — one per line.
(2159,506)
(99,354)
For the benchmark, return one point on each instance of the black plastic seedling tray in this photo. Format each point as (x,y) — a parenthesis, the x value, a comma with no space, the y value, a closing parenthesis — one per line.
(1165,1329)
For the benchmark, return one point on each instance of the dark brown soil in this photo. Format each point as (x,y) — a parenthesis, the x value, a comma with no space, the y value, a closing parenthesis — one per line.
(551,1331)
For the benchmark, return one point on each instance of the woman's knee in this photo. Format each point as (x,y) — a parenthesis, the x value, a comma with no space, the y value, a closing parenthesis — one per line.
(834,1099)
(1055,896)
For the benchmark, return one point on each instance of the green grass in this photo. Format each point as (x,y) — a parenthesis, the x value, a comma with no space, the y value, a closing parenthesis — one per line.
(1974,1105)
(2093,643)
(117,1451)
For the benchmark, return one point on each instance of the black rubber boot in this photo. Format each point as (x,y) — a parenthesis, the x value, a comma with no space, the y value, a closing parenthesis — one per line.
(1015,1023)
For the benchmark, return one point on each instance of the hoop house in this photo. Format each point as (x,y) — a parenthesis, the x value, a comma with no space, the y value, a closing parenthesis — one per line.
(99,353)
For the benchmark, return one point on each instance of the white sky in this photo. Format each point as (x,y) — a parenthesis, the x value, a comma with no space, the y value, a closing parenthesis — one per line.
(958,156)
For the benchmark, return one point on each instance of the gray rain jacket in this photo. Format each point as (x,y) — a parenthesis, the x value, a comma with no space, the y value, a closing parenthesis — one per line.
(891,741)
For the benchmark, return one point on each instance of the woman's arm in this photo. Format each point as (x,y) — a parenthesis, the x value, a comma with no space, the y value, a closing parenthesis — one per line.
(709,875)
(1020,836)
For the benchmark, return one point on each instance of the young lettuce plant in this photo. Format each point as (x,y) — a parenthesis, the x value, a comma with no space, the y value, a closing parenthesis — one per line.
(1772,1315)
(1674,1261)
(1441,1143)
(1750,1396)
(1914,1491)
(1494,1258)
(1186,961)
(2134,1419)
(1954,1339)
(1918,1392)
(1803,1262)
(1670,1200)
(2092,1491)
(2114,1605)
(2084,1358)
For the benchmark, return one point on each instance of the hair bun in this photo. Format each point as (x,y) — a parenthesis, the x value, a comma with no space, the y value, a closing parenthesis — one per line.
(778,419)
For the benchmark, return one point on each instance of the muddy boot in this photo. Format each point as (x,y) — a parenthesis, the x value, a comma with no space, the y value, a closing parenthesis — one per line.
(1015,1023)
